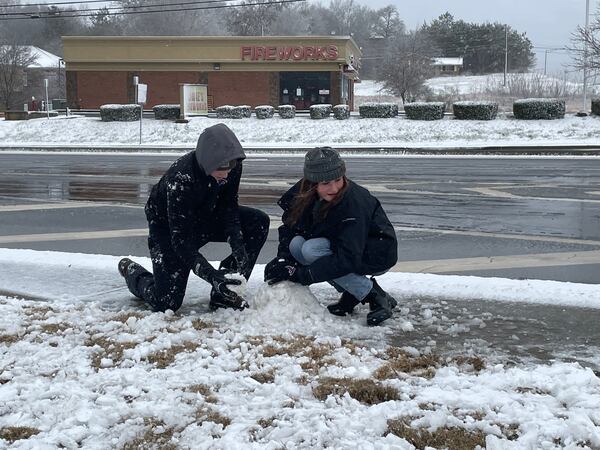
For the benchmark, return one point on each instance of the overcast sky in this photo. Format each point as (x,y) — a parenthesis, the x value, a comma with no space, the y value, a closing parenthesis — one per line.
(548,23)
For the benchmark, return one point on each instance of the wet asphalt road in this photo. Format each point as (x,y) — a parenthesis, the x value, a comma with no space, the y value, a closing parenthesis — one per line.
(508,217)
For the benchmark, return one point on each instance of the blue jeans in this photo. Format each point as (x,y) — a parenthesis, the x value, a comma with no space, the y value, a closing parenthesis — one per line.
(308,251)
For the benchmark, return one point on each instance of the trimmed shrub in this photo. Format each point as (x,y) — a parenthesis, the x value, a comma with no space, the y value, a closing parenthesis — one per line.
(539,109)
(596,106)
(287,111)
(224,112)
(341,112)
(475,110)
(264,111)
(120,113)
(378,110)
(320,111)
(166,112)
(246,111)
(236,112)
(425,110)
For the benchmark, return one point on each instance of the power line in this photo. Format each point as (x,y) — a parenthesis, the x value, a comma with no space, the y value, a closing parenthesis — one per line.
(38,15)
(53,3)
(113,8)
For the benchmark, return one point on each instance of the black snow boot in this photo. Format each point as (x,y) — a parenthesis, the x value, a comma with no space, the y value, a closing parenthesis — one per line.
(218,300)
(123,266)
(345,305)
(380,303)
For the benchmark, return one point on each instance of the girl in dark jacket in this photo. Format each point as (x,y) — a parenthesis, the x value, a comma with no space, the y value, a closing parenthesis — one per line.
(334,230)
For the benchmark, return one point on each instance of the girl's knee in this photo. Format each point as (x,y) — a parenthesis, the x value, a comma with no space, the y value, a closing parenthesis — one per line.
(314,249)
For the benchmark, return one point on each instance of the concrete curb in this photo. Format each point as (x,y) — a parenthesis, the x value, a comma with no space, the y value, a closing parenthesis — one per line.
(555,150)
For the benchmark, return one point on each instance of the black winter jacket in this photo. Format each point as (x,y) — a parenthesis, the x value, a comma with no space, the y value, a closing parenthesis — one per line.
(186,200)
(362,238)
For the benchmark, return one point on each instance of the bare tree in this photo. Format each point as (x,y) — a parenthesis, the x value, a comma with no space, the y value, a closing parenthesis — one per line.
(14,59)
(253,20)
(591,38)
(407,64)
(388,24)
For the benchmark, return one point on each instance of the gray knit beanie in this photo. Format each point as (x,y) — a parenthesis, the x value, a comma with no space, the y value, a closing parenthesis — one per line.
(323,164)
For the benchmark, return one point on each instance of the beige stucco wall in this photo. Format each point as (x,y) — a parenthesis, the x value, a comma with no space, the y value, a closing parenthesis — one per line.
(199,53)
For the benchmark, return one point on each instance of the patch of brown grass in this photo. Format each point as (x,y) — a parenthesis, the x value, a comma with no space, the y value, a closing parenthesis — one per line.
(37,312)
(165,357)
(210,415)
(152,438)
(266,423)
(532,390)
(54,328)
(475,361)
(365,391)
(109,349)
(203,390)
(301,346)
(264,377)
(126,315)
(8,339)
(451,438)
(199,324)
(12,434)
(402,362)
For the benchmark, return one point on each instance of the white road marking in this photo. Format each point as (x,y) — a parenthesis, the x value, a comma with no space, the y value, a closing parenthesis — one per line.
(73,236)
(521,237)
(499,262)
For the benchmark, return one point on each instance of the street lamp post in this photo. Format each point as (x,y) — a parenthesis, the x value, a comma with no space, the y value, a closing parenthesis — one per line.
(585,56)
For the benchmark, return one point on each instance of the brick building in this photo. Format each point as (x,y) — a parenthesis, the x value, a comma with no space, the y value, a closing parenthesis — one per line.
(248,70)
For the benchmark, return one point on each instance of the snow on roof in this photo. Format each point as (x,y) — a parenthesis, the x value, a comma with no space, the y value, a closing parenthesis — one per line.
(447,61)
(43,59)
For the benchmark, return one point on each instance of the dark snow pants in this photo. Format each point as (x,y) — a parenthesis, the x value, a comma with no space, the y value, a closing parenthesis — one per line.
(165,288)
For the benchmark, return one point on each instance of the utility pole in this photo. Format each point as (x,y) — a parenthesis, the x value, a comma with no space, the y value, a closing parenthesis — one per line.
(505,52)
(545,60)
(585,57)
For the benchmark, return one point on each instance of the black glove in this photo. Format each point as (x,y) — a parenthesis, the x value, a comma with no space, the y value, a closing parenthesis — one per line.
(217,278)
(281,269)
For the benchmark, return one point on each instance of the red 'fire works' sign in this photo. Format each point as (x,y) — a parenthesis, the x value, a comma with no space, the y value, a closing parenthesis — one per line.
(295,53)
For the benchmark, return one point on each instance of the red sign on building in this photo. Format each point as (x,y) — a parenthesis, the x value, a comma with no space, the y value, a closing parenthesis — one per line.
(295,53)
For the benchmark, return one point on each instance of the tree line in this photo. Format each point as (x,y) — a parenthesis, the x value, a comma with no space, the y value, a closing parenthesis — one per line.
(392,53)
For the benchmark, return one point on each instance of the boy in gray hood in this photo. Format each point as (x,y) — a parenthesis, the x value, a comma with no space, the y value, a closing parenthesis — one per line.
(194,203)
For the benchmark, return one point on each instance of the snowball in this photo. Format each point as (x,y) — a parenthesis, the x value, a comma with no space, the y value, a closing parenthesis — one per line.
(239,289)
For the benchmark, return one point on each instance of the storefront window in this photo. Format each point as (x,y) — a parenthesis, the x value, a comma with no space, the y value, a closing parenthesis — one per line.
(303,89)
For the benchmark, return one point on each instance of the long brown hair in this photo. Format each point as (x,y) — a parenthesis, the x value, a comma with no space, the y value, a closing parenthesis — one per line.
(306,197)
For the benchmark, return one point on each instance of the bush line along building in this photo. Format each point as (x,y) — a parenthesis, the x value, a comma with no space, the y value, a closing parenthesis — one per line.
(251,70)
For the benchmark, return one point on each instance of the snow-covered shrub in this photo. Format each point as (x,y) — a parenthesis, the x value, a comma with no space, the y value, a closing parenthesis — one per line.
(236,112)
(320,111)
(596,106)
(264,111)
(539,108)
(224,112)
(425,110)
(341,112)
(475,110)
(287,111)
(378,110)
(166,112)
(245,109)
(120,113)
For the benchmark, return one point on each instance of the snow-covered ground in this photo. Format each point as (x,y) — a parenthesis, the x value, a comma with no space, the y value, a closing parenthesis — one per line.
(82,365)
(302,131)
